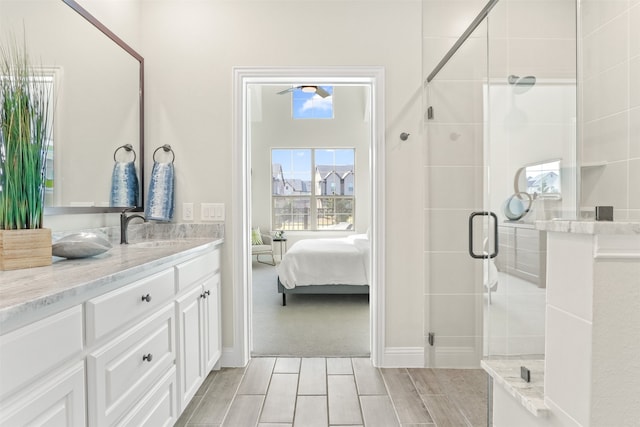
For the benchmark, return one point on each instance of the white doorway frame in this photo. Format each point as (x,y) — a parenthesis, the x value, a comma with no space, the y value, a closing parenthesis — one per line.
(373,77)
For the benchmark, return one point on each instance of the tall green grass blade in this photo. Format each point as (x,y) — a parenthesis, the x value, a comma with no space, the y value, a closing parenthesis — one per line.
(25,104)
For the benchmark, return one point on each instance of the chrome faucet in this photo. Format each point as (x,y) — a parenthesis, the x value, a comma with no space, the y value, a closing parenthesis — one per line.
(124,224)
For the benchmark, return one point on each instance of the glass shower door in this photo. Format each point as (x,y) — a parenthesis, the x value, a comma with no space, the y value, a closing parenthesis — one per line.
(502,136)
(530,156)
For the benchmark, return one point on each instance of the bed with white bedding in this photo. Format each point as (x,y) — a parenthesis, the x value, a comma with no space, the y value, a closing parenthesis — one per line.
(325,266)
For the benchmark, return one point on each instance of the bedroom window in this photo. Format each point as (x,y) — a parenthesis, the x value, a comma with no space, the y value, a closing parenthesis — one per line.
(313,189)
(315,104)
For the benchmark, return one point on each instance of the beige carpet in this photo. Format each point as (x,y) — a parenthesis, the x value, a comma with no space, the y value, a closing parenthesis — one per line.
(309,325)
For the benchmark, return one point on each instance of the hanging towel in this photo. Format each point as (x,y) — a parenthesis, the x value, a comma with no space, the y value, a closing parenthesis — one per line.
(160,199)
(124,185)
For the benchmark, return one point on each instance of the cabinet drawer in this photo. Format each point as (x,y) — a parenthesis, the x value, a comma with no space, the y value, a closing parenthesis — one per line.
(30,352)
(120,373)
(114,309)
(158,408)
(191,271)
(58,401)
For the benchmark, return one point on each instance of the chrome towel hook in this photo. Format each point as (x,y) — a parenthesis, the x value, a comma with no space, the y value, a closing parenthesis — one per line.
(404,136)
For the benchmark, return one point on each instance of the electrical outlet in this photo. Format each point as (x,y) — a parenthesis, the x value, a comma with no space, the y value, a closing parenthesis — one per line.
(187,211)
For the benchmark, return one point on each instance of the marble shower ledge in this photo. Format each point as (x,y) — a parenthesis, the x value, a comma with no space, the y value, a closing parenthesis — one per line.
(30,294)
(506,373)
(590,227)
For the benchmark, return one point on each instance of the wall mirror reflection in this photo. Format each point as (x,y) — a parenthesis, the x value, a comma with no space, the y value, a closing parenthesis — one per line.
(542,179)
(97,81)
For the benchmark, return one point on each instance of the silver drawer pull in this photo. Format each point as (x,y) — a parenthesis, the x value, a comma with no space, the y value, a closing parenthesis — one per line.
(146,298)
(147,357)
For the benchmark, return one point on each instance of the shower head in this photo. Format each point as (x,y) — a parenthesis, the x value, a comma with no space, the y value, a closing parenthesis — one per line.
(521,84)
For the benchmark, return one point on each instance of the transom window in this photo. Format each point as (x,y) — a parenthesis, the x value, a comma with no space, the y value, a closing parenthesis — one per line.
(313,188)
(308,104)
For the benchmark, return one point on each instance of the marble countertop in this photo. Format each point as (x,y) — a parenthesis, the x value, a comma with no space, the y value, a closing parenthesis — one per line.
(590,227)
(66,282)
(506,373)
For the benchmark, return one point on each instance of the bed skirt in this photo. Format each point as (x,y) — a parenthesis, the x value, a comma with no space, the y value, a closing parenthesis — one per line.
(321,289)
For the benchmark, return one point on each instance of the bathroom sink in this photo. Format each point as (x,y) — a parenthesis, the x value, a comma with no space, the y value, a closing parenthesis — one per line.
(154,244)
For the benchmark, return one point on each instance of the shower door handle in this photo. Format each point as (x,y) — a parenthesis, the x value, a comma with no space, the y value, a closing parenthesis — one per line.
(484,255)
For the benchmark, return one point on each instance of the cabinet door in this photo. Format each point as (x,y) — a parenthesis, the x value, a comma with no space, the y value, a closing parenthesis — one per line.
(59,401)
(211,323)
(121,372)
(190,350)
(28,353)
(158,408)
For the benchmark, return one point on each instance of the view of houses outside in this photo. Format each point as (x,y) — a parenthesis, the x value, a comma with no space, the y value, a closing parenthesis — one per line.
(544,178)
(313,189)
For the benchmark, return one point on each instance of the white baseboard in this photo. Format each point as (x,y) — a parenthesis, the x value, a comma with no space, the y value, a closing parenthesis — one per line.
(403,357)
(231,358)
(456,357)
(394,357)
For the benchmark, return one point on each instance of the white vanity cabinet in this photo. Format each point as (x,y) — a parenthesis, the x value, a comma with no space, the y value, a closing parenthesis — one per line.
(198,321)
(42,376)
(133,354)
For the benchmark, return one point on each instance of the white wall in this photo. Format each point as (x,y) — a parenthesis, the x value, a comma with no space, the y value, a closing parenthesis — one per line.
(274,127)
(611,107)
(190,48)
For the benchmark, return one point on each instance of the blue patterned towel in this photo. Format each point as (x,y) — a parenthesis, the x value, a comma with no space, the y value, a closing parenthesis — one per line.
(124,185)
(160,199)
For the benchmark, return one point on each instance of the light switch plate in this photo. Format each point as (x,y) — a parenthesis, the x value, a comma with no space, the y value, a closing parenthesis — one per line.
(212,211)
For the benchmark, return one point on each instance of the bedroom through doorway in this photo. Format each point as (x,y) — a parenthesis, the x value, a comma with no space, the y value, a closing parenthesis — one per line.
(344,207)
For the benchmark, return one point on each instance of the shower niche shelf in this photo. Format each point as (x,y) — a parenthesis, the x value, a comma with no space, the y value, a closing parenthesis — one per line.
(591,165)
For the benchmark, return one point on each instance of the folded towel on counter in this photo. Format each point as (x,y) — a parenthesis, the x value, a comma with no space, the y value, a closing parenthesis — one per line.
(160,199)
(124,185)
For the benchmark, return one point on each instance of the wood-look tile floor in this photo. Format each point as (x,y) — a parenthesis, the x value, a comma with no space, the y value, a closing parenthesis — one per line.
(310,392)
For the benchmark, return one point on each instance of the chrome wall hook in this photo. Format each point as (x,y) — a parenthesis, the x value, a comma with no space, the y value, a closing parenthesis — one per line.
(404,136)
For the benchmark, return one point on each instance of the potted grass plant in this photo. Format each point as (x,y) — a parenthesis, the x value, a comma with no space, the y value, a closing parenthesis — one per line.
(24,135)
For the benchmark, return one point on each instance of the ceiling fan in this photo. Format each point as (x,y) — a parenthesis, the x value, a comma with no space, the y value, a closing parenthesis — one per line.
(309,89)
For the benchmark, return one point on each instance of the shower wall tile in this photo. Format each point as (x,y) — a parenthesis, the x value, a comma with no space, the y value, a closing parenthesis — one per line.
(541,19)
(456,101)
(433,50)
(606,47)
(454,145)
(452,273)
(448,18)
(573,293)
(606,93)
(469,62)
(454,352)
(634,83)
(499,64)
(606,139)
(541,58)
(568,360)
(454,315)
(634,132)
(595,13)
(446,230)
(606,186)
(611,43)
(634,31)
(448,187)
(634,189)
